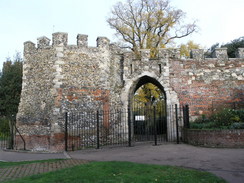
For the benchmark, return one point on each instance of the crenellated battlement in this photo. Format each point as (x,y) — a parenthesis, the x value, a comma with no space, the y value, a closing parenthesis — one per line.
(60,39)
(174,54)
(43,42)
(82,40)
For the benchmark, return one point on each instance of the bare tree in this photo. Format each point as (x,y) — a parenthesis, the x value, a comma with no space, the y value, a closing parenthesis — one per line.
(148,24)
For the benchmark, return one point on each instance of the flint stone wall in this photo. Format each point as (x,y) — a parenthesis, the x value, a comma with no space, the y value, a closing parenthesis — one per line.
(62,77)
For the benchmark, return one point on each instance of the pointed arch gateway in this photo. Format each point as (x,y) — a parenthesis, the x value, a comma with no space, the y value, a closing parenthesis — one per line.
(147,102)
(152,120)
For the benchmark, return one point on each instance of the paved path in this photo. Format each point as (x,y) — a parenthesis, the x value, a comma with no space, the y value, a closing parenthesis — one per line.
(225,163)
(14,172)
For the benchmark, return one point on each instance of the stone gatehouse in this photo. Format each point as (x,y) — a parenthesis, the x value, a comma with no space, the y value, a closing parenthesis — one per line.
(59,77)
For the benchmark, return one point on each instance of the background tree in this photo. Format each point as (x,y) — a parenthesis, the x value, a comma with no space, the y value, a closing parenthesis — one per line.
(148,94)
(233,46)
(148,24)
(10,88)
(145,99)
(186,48)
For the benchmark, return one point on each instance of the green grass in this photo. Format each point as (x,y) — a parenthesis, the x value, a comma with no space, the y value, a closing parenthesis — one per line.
(122,172)
(8,164)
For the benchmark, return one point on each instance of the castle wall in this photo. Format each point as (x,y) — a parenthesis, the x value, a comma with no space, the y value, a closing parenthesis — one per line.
(60,77)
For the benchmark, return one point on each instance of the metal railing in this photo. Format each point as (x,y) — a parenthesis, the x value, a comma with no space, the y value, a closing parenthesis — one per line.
(96,129)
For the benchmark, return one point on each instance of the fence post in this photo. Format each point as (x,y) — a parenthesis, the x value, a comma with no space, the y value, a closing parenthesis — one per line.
(184,115)
(155,126)
(177,124)
(187,117)
(11,140)
(66,131)
(98,138)
(129,126)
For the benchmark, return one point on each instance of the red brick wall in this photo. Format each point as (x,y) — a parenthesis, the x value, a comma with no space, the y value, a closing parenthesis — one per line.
(35,142)
(207,88)
(215,138)
(53,143)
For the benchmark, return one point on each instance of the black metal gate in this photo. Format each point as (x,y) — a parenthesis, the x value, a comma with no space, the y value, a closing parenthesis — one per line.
(95,129)
(89,129)
(149,123)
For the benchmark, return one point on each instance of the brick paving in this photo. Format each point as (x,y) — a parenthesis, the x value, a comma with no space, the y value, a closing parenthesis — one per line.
(19,171)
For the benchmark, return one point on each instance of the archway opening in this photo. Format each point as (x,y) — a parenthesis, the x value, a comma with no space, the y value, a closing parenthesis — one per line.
(148,105)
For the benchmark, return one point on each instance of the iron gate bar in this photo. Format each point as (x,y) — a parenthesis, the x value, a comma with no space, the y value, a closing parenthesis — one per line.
(187,117)
(184,115)
(177,124)
(66,131)
(155,126)
(129,127)
(98,137)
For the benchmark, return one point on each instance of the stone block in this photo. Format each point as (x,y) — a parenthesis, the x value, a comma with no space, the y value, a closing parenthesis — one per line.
(29,47)
(220,54)
(240,53)
(82,40)
(43,42)
(60,39)
(197,54)
(103,42)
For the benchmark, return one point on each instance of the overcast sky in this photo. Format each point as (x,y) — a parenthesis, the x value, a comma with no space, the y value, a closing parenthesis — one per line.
(25,20)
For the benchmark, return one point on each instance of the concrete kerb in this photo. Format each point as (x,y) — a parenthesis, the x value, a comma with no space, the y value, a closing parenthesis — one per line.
(13,156)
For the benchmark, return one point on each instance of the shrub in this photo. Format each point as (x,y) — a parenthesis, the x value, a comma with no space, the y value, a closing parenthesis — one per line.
(207,125)
(224,119)
(237,126)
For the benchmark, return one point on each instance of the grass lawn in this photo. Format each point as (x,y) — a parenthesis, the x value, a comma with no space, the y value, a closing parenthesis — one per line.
(122,172)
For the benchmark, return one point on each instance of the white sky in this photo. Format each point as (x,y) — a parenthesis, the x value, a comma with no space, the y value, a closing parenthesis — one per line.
(23,20)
